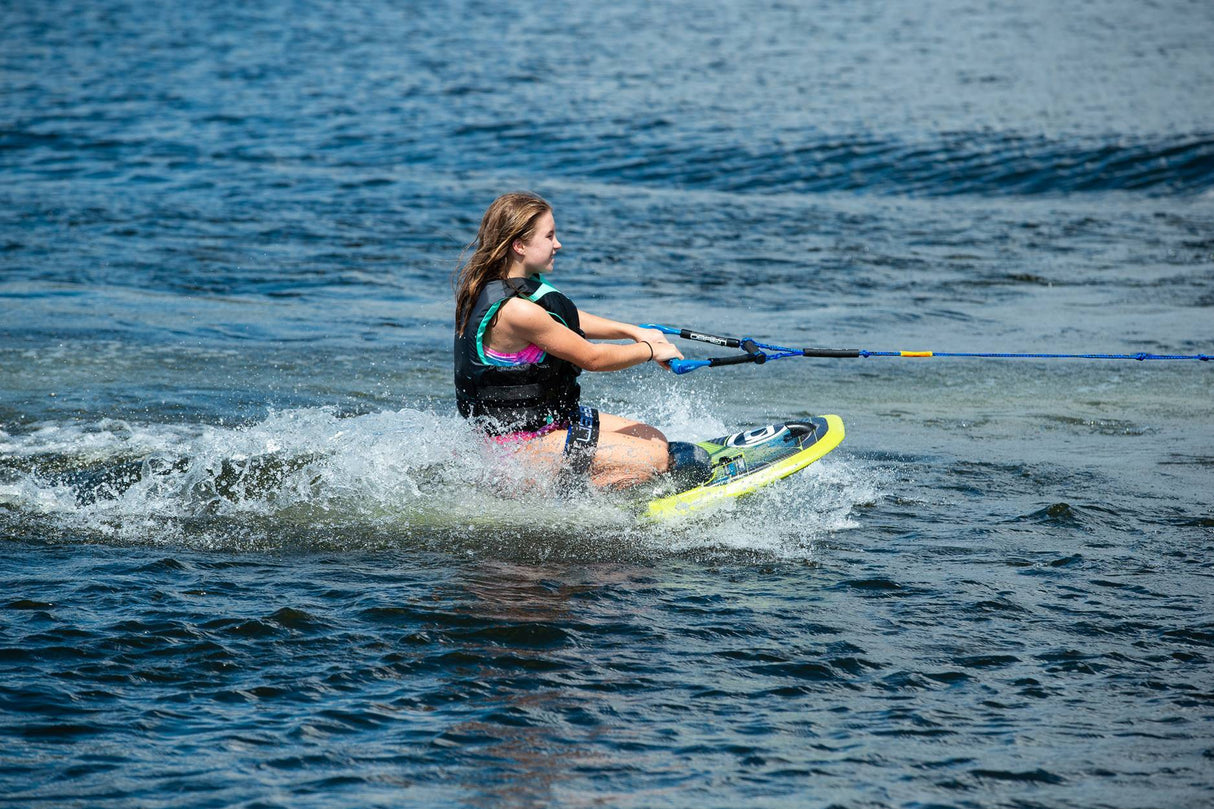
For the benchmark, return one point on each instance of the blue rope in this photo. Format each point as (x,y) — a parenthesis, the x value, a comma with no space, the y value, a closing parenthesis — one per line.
(784,352)
(757,352)
(1139,356)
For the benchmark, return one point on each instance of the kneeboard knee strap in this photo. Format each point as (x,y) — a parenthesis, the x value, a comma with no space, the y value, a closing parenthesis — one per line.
(689,463)
(582,440)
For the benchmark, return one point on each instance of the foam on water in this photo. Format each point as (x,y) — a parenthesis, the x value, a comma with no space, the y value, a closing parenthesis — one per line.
(785,521)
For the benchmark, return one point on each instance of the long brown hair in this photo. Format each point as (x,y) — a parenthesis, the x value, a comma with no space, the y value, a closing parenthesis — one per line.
(510,216)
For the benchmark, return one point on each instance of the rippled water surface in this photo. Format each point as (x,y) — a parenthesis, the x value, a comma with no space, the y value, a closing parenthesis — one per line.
(254,558)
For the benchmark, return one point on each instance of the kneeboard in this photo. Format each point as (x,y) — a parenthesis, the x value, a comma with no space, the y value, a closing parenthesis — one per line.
(747,461)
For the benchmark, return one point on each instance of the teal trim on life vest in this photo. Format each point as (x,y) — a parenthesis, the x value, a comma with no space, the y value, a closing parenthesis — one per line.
(480,335)
(543,289)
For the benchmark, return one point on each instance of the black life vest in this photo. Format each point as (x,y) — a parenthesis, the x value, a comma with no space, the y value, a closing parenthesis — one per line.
(509,398)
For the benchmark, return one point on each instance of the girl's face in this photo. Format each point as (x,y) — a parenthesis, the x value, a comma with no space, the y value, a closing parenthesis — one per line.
(538,253)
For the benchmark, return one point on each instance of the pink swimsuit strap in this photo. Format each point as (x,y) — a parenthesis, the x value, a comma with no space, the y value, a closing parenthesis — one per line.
(532,353)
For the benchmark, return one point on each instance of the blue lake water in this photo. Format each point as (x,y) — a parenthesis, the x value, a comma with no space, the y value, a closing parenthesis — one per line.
(254,558)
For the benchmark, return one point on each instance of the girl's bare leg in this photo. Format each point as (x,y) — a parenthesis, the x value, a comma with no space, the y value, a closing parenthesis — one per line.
(628,453)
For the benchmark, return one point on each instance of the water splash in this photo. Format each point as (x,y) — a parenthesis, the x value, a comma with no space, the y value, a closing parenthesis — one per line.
(312,478)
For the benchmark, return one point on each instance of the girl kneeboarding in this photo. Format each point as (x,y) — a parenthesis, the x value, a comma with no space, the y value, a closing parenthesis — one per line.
(520,345)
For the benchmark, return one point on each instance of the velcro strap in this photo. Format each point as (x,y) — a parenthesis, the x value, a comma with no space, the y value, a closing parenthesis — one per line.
(582,440)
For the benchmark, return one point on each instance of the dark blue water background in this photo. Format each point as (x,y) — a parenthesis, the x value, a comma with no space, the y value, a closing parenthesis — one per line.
(253,558)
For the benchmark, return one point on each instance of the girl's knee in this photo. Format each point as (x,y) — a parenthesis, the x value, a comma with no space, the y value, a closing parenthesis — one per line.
(628,427)
(648,433)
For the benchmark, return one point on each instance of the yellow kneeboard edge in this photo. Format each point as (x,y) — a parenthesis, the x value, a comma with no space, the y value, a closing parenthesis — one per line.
(693,499)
